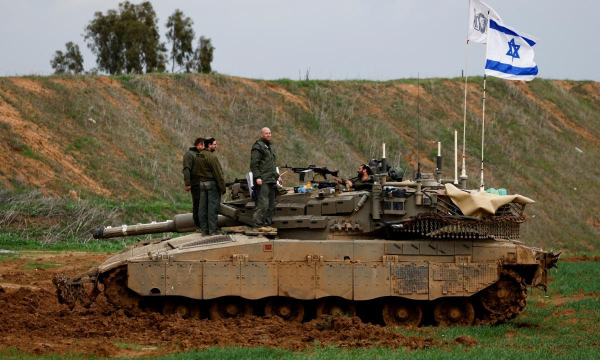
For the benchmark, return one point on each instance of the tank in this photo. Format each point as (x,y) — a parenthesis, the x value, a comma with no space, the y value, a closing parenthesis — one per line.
(399,252)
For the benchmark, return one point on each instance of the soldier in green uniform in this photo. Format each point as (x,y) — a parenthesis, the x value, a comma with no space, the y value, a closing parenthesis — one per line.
(212,186)
(363,181)
(264,172)
(190,179)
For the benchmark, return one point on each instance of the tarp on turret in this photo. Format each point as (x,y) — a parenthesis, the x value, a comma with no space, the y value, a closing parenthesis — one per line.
(481,204)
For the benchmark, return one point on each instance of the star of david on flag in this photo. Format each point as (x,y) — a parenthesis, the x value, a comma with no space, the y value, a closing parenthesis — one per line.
(509,53)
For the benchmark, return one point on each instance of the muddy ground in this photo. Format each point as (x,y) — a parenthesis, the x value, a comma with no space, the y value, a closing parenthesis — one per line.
(34,322)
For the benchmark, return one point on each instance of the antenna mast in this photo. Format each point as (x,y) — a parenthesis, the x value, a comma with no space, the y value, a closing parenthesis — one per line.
(418,126)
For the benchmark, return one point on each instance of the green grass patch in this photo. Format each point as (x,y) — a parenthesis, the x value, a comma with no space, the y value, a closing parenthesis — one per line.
(36,265)
(80,143)
(576,277)
(135,347)
(9,241)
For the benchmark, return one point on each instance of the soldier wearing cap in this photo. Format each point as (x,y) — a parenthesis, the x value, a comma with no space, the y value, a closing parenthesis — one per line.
(212,186)
(190,179)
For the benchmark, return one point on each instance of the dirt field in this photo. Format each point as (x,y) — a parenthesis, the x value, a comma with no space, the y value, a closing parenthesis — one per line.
(34,323)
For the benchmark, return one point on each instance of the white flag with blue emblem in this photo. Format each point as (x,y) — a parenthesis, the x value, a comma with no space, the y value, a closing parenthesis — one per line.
(478,20)
(510,53)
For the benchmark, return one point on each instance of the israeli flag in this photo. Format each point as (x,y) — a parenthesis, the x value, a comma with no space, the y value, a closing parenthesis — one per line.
(509,53)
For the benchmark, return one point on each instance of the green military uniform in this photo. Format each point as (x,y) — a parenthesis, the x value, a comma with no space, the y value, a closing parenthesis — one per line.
(212,186)
(359,184)
(262,165)
(190,179)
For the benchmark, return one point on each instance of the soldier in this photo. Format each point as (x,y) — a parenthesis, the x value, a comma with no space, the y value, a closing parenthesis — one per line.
(190,179)
(212,186)
(364,180)
(264,172)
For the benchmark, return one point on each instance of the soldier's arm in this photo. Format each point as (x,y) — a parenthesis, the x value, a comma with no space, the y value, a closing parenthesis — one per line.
(218,174)
(255,163)
(187,169)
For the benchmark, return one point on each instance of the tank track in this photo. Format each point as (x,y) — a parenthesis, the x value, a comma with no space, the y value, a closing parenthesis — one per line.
(502,301)
(117,293)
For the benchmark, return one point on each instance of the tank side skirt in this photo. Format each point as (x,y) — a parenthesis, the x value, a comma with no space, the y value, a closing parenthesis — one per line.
(417,280)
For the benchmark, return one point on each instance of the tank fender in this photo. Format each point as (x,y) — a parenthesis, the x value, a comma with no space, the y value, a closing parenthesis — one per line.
(526,256)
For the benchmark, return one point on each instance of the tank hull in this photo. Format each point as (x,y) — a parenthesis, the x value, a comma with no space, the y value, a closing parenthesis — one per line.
(402,282)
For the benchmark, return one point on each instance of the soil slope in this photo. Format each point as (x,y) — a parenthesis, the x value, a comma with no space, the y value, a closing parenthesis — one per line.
(123,137)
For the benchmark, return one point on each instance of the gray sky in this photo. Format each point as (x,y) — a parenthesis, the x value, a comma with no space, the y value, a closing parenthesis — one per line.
(333,39)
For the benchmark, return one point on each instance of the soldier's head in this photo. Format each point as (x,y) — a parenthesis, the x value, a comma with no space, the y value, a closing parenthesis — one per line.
(265,134)
(363,170)
(199,143)
(210,144)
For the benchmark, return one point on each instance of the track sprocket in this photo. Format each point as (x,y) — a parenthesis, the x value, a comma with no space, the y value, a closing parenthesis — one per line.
(505,299)
(118,294)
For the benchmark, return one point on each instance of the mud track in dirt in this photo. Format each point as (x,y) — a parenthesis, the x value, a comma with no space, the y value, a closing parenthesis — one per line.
(34,323)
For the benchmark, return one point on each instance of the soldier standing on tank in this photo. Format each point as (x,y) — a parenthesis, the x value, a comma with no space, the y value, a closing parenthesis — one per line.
(212,186)
(191,180)
(264,172)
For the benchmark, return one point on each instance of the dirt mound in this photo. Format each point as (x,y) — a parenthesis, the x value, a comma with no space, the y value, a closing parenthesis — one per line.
(466,340)
(33,322)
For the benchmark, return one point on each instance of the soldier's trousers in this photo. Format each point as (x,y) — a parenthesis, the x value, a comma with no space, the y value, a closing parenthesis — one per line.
(210,199)
(265,205)
(196,204)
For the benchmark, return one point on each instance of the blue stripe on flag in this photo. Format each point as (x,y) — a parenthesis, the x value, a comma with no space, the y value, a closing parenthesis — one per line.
(494,25)
(509,69)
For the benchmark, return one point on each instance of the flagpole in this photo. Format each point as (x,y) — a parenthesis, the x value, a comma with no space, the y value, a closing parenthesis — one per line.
(482,184)
(463,173)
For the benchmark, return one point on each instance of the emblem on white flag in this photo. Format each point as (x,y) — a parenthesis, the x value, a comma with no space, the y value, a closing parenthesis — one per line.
(478,20)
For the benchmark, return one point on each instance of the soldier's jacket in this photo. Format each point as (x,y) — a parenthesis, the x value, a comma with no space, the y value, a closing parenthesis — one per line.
(208,167)
(189,158)
(262,162)
(359,184)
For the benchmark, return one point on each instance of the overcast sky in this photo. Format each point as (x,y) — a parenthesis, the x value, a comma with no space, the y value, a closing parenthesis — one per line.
(332,39)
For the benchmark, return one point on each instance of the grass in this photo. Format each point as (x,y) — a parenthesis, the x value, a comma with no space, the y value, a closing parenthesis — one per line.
(36,266)
(29,220)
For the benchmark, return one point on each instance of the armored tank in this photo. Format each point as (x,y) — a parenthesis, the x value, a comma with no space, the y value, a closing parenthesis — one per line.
(402,252)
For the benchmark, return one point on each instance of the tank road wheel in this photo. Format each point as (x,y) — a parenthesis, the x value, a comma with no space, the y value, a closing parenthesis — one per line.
(336,306)
(506,298)
(454,312)
(184,308)
(117,293)
(226,308)
(404,313)
(286,308)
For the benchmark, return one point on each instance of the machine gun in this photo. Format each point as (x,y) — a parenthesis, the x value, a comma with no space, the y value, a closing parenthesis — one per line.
(312,173)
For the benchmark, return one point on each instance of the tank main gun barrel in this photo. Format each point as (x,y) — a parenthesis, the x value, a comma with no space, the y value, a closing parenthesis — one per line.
(181,223)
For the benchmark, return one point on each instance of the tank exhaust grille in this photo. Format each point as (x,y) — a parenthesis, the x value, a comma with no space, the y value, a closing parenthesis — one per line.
(208,241)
